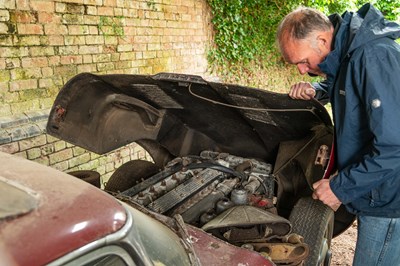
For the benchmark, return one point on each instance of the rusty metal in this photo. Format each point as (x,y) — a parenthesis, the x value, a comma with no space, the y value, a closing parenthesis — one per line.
(59,113)
(322,157)
(283,253)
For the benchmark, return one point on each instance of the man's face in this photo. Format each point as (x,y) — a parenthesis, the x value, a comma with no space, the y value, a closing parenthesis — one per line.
(306,55)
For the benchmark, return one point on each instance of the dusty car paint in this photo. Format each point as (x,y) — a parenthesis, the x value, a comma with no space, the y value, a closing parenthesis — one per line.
(211,251)
(69,215)
(72,219)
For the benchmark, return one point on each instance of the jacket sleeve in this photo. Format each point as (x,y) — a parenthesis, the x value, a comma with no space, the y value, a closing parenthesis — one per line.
(376,80)
(321,91)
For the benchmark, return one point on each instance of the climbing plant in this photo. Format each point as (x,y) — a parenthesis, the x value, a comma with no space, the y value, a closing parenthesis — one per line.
(245,29)
(389,8)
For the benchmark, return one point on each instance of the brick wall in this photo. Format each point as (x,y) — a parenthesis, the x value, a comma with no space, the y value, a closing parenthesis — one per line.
(44,43)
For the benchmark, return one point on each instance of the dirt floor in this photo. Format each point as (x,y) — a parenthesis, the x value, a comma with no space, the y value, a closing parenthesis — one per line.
(343,247)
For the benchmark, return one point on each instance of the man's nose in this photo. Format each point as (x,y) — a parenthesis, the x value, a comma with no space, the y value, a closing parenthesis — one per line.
(303,69)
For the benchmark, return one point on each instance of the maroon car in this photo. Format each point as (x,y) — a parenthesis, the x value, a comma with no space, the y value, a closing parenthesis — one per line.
(233,161)
(49,217)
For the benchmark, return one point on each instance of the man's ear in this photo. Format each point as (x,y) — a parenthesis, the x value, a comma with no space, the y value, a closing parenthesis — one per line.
(324,40)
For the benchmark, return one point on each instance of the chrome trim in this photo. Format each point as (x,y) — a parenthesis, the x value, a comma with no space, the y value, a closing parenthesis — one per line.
(109,239)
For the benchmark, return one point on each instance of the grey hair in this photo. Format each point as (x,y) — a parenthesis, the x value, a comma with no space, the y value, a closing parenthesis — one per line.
(300,23)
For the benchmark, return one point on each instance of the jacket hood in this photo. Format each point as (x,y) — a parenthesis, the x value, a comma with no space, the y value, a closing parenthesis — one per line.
(368,24)
(355,30)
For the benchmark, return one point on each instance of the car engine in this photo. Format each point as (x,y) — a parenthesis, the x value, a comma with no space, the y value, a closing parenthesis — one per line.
(230,197)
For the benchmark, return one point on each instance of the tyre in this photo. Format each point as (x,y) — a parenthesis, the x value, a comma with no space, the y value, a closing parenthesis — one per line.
(314,221)
(92,177)
(130,174)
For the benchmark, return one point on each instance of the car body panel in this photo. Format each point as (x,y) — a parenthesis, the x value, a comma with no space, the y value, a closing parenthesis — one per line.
(74,222)
(179,113)
(176,115)
(70,214)
(173,115)
(211,251)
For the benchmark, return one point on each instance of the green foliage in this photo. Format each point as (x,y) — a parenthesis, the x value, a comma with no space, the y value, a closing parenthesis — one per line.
(244,29)
(389,8)
(152,5)
(244,33)
(329,6)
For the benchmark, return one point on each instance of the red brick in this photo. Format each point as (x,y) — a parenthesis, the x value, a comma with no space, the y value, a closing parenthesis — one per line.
(60,156)
(71,59)
(23,85)
(23,4)
(128,56)
(35,62)
(32,142)
(118,12)
(93,30)
(93,2)
(45,17)
(110,3)
(105,11)
(139,46)
(10,147)
(4,28)
(24,16)
(41,51)
(91,20)
(56,40)
(55,29)
(46,6)
(126,40)
(68,50)
(54,60)
(78,29)
(28,40)
(87,59)
(91,10)
(45,83)
(130,13)
(7,4)
(148,55)
(129,31)
(30,29)
(89,49)
(74,40)
(87,68)
(124,48)
(47,72)
(5,40)
(94,39)
(101,58)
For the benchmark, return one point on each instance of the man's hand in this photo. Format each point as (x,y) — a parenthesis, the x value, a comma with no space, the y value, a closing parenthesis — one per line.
(323,192)
(302,90)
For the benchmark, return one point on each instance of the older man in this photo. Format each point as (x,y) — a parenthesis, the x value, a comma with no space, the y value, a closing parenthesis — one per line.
(357,55)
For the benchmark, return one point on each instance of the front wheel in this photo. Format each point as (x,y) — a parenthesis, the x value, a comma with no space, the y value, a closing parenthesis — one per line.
(314,221)
(130,174)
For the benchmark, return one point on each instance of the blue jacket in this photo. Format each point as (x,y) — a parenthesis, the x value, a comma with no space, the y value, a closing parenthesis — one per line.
(363,84)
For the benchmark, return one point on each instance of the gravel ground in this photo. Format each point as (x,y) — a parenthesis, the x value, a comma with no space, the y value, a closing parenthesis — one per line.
(343,247)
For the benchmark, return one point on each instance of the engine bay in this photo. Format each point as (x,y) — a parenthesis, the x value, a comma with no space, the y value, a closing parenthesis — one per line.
(231,197)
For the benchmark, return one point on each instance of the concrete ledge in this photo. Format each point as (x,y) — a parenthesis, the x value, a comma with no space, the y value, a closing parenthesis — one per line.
(23,126)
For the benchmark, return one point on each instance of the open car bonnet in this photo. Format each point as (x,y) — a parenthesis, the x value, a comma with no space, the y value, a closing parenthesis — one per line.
(212,144)
(177,115)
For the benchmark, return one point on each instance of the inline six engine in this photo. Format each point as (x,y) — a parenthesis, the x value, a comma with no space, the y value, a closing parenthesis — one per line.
(231,197)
